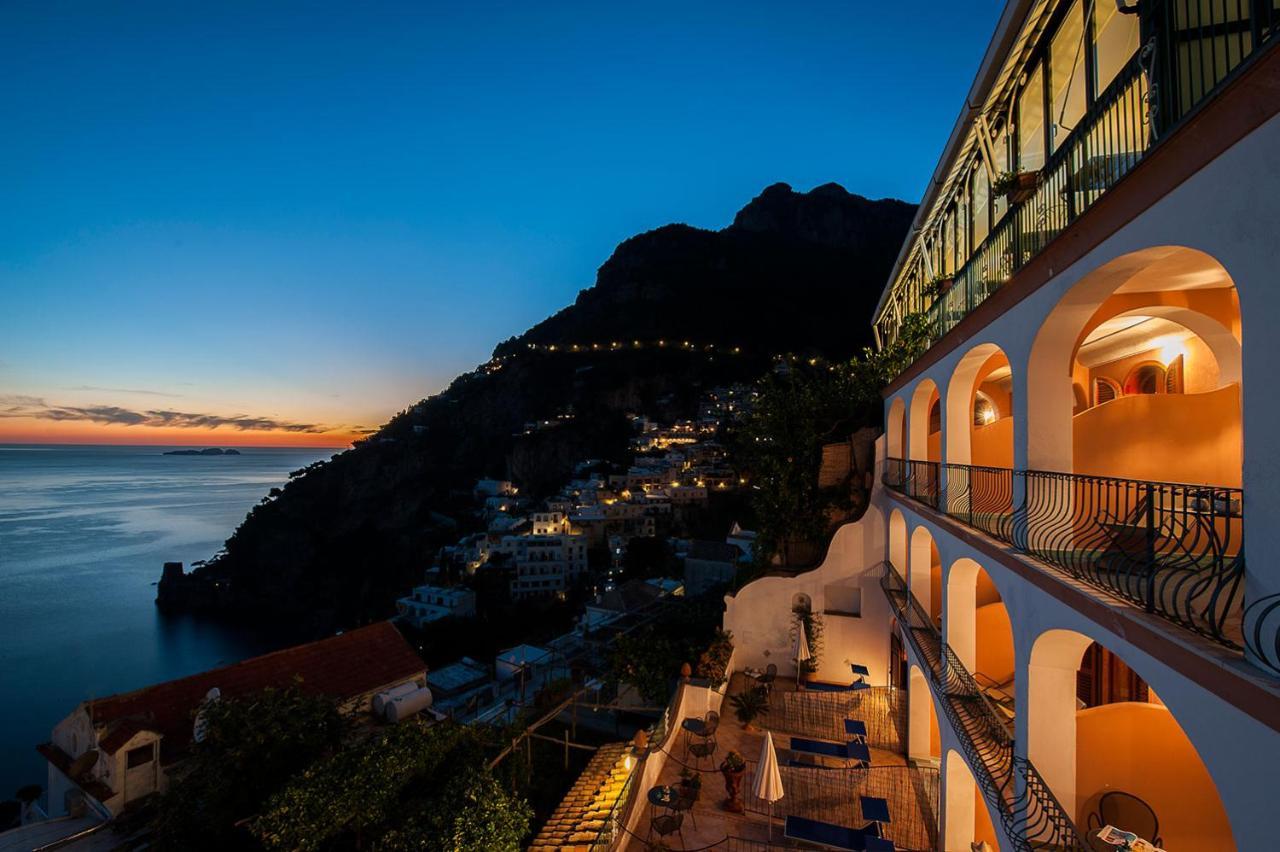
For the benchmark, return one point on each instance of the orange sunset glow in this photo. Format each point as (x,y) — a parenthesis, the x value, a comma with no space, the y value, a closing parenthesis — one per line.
(24,430)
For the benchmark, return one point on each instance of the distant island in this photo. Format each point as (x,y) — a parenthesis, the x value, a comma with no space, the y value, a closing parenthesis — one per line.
(211,451)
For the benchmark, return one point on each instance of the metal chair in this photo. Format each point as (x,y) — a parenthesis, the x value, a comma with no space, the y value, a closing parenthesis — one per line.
(668,824)
(1125,811)
(685,803)
(703,748)
(770,674)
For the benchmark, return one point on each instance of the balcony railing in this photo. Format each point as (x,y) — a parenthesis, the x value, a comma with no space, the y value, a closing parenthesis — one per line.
(1032,817)
(1193,47)
(1175,550)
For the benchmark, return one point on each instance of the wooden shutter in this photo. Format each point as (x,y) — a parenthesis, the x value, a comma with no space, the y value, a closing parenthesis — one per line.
(1173,376)
(1104,390)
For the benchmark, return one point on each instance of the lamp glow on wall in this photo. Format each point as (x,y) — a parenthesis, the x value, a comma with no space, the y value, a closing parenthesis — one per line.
(1170,347)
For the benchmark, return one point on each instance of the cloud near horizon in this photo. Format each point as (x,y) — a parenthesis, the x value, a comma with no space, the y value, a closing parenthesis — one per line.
(34,407)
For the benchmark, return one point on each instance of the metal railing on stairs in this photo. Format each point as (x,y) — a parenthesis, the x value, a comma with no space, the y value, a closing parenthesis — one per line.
(1031,816)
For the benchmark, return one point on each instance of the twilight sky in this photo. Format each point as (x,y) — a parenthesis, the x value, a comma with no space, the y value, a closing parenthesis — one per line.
(279,223)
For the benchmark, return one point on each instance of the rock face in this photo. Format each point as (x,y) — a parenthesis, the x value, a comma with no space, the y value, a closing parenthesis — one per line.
(795,271)
(345,538)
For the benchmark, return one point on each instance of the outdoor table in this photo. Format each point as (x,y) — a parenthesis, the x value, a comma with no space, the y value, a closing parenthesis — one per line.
(663,796)
(874,809)
(697,727)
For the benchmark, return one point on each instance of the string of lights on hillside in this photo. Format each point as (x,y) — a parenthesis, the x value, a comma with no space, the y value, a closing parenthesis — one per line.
(497,362)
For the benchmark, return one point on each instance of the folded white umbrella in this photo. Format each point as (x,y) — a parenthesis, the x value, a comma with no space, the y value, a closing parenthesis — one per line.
(768,780)
(802,651)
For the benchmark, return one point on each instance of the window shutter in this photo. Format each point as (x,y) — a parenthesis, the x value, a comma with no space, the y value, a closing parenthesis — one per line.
(1104,390)
(1173,376)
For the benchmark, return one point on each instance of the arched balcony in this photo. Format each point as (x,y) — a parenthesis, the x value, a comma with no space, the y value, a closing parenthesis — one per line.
(1112,752)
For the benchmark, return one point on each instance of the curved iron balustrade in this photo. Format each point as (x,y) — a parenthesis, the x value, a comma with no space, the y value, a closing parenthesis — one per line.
(1262,631)
(1031,815)
(1176,550)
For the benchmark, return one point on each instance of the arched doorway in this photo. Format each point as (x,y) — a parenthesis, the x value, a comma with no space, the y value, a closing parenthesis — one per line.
(980,633)
(1135,439)
(898,541)
(1096,728)
(966,819)
(925,577)
(924,741)
(896,429)
(925,423)
(980,439)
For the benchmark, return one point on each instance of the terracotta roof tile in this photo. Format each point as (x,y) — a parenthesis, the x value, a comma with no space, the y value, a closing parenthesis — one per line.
(342,667)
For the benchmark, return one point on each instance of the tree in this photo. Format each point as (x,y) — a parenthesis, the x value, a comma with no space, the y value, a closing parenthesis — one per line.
(802,406)
(650,658)
(251,748)
(412,787)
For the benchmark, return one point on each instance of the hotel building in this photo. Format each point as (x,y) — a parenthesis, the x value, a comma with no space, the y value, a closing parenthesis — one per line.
(1052,572)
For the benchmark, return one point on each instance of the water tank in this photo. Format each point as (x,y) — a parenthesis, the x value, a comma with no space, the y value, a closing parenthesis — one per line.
(404,706)
(381,699)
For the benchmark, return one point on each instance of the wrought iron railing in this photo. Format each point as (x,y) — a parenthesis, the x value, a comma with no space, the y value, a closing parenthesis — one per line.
(1192,48)
(916,479)
(1176,550)
(1031,815)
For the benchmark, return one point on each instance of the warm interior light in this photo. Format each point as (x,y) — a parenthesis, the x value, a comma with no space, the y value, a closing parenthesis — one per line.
(988,415)
(1170,348)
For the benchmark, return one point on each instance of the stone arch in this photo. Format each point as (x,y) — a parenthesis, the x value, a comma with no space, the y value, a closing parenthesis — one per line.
(924,577)
(896,429)
(1137,747)
(984,365)
(920,445)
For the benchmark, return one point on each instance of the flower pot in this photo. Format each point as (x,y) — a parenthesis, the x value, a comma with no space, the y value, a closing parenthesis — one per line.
(733,789)
(1024,186)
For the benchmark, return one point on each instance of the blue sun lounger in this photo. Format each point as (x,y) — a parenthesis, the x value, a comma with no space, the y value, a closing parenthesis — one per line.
(841,751)
(856,728)
(819,686)
(830,835)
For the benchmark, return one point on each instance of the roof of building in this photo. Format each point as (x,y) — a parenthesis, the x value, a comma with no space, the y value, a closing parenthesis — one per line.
(713,551)
(342,667)
(457,677)
(576,822)
(631,595)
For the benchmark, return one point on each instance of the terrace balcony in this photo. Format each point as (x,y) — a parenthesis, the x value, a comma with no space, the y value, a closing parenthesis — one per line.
(1189,54)
(1174,550)
(1030,815)
(817,788)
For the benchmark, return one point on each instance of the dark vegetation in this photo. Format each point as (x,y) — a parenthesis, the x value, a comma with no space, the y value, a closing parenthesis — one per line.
(283,770)
(343,539)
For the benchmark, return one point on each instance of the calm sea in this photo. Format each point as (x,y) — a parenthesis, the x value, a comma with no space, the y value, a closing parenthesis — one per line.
(84,533)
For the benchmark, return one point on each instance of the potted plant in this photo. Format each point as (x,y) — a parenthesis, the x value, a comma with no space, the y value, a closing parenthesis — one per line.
(750,705)
(733,767)
(935,287)
(1016,186)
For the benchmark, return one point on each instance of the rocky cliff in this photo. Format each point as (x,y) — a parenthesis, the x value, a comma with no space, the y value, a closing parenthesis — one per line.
(343,539)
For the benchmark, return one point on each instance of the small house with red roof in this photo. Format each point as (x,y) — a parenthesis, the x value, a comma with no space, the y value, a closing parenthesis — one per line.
(113,751)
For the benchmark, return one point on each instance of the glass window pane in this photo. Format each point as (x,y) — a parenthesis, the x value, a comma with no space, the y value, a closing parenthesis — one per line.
(1115,39)
(1000,148)
(1066,75)
(981,204)
(1031,123)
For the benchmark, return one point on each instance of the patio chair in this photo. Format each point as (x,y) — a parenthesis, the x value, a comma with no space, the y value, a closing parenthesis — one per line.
(829,835)
(704,748)
(852,750)
(1126,811)
(770,675)
(686,801)
(666,825)
(699,728)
